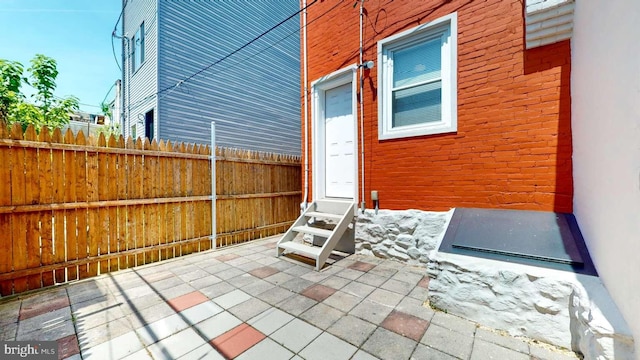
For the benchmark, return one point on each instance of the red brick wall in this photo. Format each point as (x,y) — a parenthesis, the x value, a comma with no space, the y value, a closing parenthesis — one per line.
(513,144)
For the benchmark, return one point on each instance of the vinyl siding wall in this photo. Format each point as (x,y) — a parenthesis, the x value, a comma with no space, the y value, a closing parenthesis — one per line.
(253,96)
(140,86)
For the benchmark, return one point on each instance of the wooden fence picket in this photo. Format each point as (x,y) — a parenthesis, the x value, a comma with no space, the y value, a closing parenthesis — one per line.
(75,207)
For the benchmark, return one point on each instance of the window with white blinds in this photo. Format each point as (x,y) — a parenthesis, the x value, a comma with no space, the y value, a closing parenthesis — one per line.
(417,80)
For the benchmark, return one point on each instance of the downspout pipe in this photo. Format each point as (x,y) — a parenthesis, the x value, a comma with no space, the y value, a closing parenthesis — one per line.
(361,70)
(306,107)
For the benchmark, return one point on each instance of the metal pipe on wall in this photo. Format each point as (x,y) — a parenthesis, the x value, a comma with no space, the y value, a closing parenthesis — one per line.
(306,106)
(361,70)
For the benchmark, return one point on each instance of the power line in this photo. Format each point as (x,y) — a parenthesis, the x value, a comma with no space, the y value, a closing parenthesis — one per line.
(179,83)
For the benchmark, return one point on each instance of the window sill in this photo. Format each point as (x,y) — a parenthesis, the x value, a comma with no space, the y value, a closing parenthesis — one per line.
(417,131)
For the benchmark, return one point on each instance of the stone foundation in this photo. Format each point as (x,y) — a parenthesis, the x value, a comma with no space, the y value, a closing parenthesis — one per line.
(411,236)
(558,307)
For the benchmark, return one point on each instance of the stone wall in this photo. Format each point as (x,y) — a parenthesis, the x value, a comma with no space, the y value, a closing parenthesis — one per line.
(558,307)
(411,236)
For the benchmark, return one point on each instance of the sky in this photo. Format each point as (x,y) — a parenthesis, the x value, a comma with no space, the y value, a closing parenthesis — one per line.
(76,33)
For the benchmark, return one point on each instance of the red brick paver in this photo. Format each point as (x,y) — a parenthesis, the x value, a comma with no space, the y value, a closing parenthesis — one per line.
(27,312)
(361,266)
(318,292)
(68,346)
(237,340)
(188,300)
(405,325)
(263,272)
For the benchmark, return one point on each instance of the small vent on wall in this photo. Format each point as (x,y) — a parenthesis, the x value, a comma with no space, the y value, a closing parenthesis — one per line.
(548,21)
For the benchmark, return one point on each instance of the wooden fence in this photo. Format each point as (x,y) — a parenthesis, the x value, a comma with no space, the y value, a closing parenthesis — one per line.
(73,207)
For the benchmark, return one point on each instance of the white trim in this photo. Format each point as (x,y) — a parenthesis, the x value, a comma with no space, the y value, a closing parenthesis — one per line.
(318,88)
(447,27)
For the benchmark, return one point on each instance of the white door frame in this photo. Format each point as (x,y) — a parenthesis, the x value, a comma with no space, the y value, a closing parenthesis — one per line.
(318,89)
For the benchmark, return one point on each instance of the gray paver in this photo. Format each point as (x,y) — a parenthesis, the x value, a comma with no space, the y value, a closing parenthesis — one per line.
(352,329)
(218,289)
(266,349)
(115,348)
(204,352)
(485,350)
(249,309)
(297,284)
(350,274)
(327,346)
(270,320)
(385,297)
(363,355)
(295,335)
(454,323)
(229,273)
(358,289)
(174,292)
(151,314)
(297,304)
(335,282)
(176,345)
(397,286)
(99,317)
(232,298)
(539,352)
(53,330)
(322,315)
(419,293)
(275,295)
(505,341)
(217,325)
(424,352)
(386,344)
(200,312)
(161,329)
(243,279)
(9,312)
(257,287)
(142,354)
(8,332)
(342,301)
(298,270)
(372,279)
(44,322)
(279,278)
(448,341)
(102,333)
(205,281)
(416,308)
(371,311)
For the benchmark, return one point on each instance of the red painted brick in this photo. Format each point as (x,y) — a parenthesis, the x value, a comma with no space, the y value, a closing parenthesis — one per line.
(514,109)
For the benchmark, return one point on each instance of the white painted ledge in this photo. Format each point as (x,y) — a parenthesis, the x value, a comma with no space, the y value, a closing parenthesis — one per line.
(548,21)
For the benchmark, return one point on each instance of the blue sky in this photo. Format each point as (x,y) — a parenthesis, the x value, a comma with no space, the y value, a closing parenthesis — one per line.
(76,33)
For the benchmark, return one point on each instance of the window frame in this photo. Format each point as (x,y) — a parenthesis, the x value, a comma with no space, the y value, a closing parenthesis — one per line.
(446,28)
(137,49)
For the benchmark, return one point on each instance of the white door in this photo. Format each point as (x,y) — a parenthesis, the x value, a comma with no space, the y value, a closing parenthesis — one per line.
(339,143)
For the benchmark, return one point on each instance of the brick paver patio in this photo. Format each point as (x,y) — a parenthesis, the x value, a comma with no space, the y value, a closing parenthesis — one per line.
(242,302)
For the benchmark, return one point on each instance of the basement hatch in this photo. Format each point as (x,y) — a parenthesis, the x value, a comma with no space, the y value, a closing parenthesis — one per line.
(537,238)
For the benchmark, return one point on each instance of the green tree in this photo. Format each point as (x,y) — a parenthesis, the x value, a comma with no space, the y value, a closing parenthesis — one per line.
(10,82)
(46,109)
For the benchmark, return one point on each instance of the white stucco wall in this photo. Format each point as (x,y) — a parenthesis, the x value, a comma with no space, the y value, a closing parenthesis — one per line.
(605,90)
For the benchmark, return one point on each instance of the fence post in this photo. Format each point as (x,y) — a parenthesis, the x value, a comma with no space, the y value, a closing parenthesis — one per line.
(213,185)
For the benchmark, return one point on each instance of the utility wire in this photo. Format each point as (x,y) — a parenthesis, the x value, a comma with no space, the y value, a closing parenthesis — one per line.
(238,49)
(113,34)
(240,62)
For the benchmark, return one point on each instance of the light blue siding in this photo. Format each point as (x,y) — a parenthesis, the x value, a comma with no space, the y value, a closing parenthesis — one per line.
(140,86)
(254,95)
